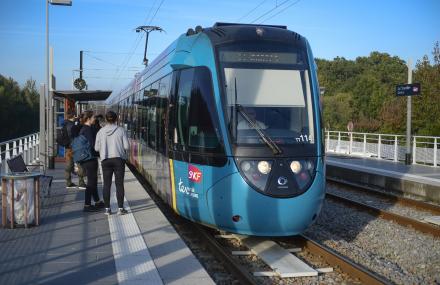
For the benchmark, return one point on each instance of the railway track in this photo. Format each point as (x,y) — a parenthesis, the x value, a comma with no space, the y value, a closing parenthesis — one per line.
(387,215)
(435,209)
(333,258)
(240,273)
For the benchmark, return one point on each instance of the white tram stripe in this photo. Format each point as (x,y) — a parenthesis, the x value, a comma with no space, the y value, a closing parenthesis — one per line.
(133,261)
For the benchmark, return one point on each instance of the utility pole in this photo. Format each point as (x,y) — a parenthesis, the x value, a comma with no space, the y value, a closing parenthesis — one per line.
(408,157)
(147,30)
(80,64)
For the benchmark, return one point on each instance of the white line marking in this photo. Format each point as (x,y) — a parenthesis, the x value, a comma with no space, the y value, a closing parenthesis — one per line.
(391,173)
(133,261)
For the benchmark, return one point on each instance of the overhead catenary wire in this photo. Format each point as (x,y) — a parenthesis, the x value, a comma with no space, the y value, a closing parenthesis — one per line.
(107,52)
(133,48)
(155,13)
(251,11)
(279,12)
(99,59)
(270,11)
(137,41)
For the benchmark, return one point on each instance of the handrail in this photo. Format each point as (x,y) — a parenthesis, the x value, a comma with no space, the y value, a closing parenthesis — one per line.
(425,149)
(27,146)
(9,141)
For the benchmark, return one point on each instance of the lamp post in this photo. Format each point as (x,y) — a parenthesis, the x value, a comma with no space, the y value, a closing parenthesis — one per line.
(50,134)
(147,30)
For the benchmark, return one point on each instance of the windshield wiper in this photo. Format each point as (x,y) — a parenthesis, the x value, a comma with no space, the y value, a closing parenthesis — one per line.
(267,140)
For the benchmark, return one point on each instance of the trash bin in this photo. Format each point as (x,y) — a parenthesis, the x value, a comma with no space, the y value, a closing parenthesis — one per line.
(20,199)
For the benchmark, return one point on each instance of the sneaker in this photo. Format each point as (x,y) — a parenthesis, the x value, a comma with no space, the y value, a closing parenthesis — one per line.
(108,211)
(99,204)
(90,208)
(82,186)
(122,211)
(71,185)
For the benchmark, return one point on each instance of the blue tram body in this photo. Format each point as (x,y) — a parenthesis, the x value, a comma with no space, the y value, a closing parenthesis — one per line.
(226,126)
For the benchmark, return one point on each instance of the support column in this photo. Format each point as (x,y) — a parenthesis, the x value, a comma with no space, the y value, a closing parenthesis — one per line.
(408,119)
(42,135)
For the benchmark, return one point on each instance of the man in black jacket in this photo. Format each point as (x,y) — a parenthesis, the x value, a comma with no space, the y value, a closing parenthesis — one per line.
(71,123)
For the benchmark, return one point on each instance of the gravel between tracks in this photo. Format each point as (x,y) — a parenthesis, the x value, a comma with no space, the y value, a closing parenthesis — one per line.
(378,202)
(400,254)
(255,264)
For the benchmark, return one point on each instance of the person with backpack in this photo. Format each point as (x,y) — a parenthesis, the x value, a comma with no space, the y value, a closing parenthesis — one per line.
(112,144)
(87,157)
(65,139)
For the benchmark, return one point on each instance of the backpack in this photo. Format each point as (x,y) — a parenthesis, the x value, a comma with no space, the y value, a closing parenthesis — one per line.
(81,149)
(63,137)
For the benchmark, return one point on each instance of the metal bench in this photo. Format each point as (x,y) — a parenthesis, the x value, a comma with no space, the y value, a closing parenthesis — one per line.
(17,165)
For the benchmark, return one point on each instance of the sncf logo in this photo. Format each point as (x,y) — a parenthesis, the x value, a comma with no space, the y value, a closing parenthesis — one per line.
(194,174)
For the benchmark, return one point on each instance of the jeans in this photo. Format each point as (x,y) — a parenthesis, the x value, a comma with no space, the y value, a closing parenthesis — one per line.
(69,168)
(116,166)
(91,169)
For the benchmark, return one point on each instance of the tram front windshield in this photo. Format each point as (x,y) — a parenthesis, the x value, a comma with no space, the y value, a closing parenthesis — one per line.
(267,87)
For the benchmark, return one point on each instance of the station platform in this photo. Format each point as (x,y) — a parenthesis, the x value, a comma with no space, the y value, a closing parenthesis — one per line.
(74,247)
(418,180)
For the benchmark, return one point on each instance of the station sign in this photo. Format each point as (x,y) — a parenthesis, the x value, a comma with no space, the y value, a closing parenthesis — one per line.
(408,89)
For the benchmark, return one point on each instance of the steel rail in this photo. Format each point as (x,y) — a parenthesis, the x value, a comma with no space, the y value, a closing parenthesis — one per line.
(394,198)
(223,255)
(333,258)
(401,220)
(241,273)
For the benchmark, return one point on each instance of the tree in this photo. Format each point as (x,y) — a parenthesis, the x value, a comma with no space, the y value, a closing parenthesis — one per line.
(19,108)
(363,90)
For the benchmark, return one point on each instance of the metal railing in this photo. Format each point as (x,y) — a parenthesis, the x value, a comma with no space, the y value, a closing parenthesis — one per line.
(28,146)
(425,149)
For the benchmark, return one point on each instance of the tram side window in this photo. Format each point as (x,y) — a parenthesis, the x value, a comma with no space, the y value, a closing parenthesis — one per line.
(183,99)
(152,125)
(163,102)
(197,120)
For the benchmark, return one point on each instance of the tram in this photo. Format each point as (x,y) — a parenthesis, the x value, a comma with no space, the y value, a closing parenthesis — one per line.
(226,127)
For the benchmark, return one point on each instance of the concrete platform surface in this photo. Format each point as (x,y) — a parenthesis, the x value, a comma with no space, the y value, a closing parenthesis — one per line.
(73,247)
(419,180)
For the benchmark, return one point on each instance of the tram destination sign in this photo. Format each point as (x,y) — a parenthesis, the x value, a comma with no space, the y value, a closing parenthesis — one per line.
(408,89)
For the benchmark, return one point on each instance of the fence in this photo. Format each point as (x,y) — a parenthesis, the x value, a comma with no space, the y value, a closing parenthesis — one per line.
(425,149)
(28,146)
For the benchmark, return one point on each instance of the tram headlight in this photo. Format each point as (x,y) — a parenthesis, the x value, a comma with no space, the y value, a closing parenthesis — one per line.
(264,167)
(256,172)
(295,166)
(246,166)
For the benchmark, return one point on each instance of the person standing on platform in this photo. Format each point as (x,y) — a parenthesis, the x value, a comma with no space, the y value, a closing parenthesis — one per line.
(112,144)
(90,166)
(69,124)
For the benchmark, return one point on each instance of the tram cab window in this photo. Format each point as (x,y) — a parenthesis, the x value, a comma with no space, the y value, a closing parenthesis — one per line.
(197,127)
(268,87)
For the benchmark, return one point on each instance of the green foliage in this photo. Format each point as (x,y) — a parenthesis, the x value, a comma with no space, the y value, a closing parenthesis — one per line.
(19,108)
(363,91)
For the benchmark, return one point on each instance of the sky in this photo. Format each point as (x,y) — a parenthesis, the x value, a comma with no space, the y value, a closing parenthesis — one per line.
(113,51)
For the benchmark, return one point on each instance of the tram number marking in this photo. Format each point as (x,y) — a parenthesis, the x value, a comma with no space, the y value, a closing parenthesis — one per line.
(194,174)
(190,191)
(304,138)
